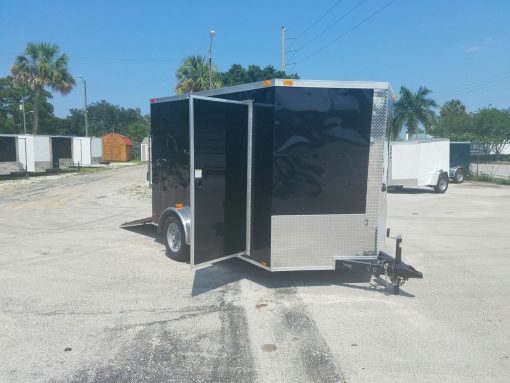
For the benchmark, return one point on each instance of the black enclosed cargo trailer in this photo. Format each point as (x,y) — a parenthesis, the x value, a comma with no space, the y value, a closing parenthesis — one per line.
(285,174)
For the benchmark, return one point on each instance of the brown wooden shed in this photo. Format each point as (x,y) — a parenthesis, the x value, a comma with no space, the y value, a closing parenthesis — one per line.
(117,147)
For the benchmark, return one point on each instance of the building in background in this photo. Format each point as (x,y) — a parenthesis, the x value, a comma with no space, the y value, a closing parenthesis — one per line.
(117,148)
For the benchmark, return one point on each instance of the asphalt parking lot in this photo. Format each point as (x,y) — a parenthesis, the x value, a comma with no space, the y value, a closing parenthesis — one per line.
(82,300)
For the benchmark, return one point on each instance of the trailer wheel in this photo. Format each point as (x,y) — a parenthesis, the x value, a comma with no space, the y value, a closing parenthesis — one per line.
(442,184)
(174,237)
(459,176)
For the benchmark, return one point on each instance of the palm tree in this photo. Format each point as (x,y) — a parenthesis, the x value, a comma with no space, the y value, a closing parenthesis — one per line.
(193,75)
(39,67)
(413,109)
(453,106)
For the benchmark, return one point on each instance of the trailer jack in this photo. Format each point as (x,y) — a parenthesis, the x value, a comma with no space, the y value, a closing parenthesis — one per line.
(395,272)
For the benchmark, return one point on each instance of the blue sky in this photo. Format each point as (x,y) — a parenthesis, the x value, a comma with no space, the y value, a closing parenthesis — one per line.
(128,50)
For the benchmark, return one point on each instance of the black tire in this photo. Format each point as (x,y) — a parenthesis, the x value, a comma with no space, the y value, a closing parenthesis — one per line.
(459,176)
(175,240)
(442,184)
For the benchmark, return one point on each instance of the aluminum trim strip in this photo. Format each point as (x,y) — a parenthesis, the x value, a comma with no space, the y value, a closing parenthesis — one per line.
(210,263)
(192,181)
(279,82)
(333,84)
(303,268)
(354,258)
(248,178)
(216,99)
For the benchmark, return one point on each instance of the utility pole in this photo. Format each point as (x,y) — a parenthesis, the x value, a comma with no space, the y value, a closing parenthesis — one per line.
(24,116)
(212,34)
(85,102)
(283,49)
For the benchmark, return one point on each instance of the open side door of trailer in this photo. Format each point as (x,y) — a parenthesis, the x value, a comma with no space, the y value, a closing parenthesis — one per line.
(220,166)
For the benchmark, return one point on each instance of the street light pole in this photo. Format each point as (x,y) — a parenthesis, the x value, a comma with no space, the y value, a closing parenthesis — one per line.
(85,102)
(212,34)
(283,49)
(24,116)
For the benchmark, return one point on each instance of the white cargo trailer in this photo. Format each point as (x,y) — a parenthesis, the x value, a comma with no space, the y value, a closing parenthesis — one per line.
(420,163)
(24,152)
(96,150)
(144,150)
(82,151)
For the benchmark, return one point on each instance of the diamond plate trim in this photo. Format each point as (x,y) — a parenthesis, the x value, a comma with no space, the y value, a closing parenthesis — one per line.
(314,240)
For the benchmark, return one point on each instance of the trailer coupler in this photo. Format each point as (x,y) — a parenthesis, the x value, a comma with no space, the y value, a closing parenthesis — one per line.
(393,269)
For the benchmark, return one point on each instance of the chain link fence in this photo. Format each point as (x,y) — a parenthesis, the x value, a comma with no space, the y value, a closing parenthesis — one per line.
(484,163)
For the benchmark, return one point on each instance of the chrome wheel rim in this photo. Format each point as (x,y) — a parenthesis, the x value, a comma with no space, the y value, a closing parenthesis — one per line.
(460,177)
(442,184)
(173,237)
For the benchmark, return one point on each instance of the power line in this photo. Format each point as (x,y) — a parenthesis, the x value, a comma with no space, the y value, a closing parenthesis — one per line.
(332,25)
(477,88)
(294,51)
(348,31)
(474,84)
(320,18)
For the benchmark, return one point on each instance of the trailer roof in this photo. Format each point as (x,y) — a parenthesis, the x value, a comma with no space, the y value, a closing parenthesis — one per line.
(419,141)
(281,82)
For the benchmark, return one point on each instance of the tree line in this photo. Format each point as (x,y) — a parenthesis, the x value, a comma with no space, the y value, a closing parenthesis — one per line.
(414,112)
(43,68)
(193,75)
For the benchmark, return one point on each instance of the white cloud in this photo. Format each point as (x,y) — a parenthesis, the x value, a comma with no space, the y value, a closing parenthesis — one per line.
(473,49)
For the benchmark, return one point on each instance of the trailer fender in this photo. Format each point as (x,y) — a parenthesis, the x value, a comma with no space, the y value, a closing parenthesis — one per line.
(184,215)
(436,175)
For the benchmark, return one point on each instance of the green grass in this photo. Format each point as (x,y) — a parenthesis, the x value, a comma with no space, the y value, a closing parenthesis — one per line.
(71,170)
(85,170)
(489,179)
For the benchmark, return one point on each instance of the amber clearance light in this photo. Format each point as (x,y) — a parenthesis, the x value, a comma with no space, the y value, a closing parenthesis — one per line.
(179,205)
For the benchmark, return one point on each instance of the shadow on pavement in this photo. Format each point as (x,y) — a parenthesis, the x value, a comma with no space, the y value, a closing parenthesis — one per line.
(147,230)
(233,270)
(410,190)
(223,273)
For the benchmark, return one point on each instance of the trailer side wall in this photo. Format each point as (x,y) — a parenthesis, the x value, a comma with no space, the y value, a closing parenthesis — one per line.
(170,155)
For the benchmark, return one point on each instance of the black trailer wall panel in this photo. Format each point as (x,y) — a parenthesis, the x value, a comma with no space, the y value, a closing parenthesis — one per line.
(61,148)
(220,148)
(170,155)
(320,151)
(8,149)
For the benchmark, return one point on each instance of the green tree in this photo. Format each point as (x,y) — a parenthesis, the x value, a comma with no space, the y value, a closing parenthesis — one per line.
(103,117)
(491,127)
(413,109)
(453,122)
(452,106)
(193,75)
(237,74)
(138,130)
(41,66)
(11,116)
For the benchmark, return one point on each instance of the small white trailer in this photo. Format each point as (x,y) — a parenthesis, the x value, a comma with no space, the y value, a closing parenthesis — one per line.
(419,163)
(145,150)
(24,152)
(81,151)
(96,150)
(87,150)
